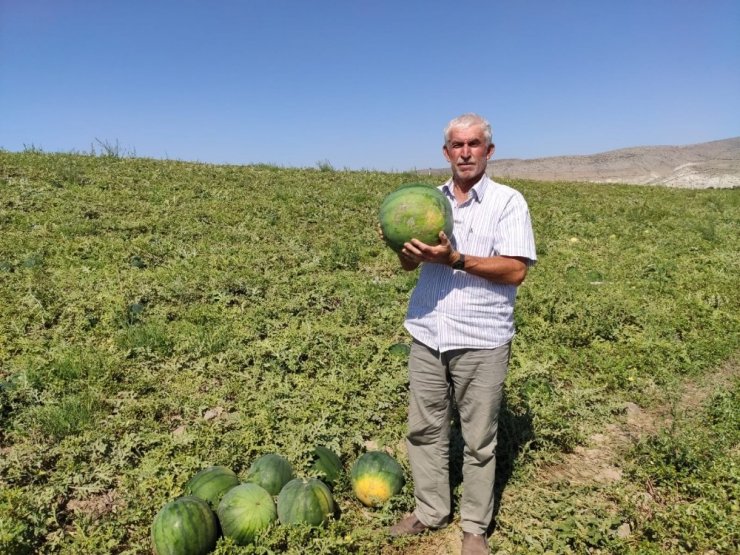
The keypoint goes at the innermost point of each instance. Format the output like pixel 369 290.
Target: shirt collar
pixel 478 190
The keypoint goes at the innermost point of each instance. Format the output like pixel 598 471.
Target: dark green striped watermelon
pixel 376 477
pixel 210 484
pixel 415 211
pixel 244 511
pixel 304 501
pixel 270 471
pixel 185 526
pixel 326 465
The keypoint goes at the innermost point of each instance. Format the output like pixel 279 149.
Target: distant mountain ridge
pixel 714 164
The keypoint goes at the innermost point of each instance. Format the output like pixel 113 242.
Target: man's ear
pixel 446 152
pixel 491 148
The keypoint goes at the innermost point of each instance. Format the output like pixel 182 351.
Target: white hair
pixel 468 120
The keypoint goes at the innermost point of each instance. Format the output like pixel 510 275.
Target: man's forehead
pixel 467 133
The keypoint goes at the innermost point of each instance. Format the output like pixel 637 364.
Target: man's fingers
pixel 408 256
pixel 415 247
pixel 411 251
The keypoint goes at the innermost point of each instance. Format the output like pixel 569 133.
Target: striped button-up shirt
pixel 452 309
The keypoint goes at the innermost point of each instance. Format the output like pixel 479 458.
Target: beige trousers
pixel 475 377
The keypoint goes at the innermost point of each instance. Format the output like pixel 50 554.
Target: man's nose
pixel 465 152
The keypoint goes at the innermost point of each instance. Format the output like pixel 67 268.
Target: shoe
pixel 407 526
pixel 474 544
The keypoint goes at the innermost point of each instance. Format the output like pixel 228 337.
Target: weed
pixel 68 416
pixel 325 166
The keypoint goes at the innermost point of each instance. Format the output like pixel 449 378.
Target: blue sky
pixel 364 84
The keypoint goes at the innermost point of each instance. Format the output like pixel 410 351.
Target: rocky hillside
pixel 714 164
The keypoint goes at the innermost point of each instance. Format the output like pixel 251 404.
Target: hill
pixel 715 164
pixel 159 317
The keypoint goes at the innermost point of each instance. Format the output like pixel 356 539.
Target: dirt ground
pixel 598 461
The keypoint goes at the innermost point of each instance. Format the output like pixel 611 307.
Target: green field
pixel 157 317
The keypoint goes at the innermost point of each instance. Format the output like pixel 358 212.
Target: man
pixel 461 319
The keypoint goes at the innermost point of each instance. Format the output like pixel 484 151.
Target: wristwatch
pixel 459 264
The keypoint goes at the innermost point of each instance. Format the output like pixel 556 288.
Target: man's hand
pixel 509 270
pixel 419 252
pixel 415 252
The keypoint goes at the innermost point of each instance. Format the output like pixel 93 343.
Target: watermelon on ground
pixel 376 477
pixel 210 484
pixel 244 511
pixel 185 526
pixel 400 349
pixel 326 465
pixel 304 501
pixel 270 471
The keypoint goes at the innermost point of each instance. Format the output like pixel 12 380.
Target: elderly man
pixel 461 317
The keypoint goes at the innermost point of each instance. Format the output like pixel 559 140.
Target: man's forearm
pixel 500 269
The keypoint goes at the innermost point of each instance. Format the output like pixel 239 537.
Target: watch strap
pixel 459 264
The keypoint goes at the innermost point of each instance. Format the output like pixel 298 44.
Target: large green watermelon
pixel 270 471
pixel 415 211
pixel 400 349
pixel 210 484
pixel 185 526
pixel 244 511
pixel 326 465
pixel 376 477
pixel 305 502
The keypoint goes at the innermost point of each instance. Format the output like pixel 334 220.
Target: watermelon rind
pixel 185 526
pixel 376 477
pixel 400 349
pixel 305 501
pixel 327 465
pixel 245 511
pixel 415 211
pixel 270 471
pixel 210 484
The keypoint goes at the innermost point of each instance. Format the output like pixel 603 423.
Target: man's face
pixel 468 154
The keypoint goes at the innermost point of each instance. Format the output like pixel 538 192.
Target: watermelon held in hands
pixel 245 511
pixel 376 477
pixel 415 211
pixel 326 465
pixel 270 471
pixel 185 526
pixel 304 501
pixel 210 484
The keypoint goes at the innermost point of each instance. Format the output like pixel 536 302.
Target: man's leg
pixel 428 438
pixel 478 377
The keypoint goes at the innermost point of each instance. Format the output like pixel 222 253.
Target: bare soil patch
pixel 598 461
pixel 97 505
pixel 447 541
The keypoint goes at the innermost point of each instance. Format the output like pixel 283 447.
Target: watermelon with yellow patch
pixel 415 211
pixel 376 477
